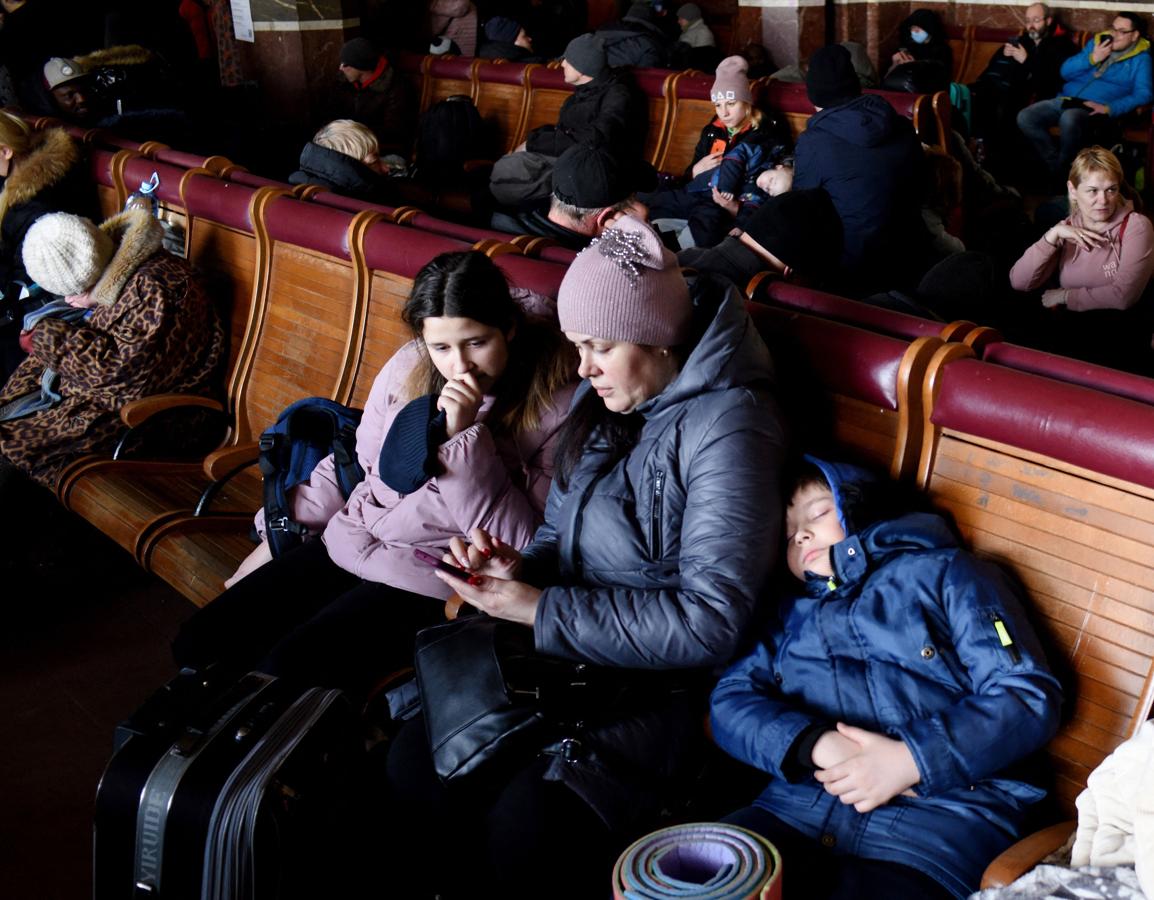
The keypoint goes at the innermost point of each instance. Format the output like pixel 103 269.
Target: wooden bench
pixel 517 98
pixel 1056 481
pixel 765 287
pixel 690 109
pixel 303 312
pixel 846 388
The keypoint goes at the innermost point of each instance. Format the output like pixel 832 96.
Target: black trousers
pixel 508 833
pixel 817 873
pixel 304 618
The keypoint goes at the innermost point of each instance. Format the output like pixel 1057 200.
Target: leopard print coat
pixel 152 331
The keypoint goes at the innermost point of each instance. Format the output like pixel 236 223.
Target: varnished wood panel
pixel 1081 549
pixel 304 336
pixel 385 333
pixel 226 259
pixel 198 560
pixel 686 120
pixel 501 106
pixel 544 108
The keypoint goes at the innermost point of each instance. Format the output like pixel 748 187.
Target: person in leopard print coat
pixel 150 329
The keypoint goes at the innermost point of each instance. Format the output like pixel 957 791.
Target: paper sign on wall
pixel 242 20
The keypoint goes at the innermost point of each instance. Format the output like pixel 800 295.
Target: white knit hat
pixel 66 254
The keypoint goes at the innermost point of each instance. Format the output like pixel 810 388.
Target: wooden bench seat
pixel 1056 482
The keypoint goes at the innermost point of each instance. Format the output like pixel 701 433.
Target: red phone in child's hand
pixel 445 567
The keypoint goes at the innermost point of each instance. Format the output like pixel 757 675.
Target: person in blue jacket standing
pixel 1109 78
pixel 891 701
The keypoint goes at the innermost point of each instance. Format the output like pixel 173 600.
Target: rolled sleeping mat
pixel 699 861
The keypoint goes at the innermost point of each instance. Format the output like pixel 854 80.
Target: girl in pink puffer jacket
pixel 343 610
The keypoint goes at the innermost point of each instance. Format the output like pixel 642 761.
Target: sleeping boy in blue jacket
pixel 890 701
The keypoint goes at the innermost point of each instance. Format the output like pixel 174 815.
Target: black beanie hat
pixel 590 177
pixel 360 54
pixel 831 78
pixel 503 29
pixel 586 54
pixel 801 228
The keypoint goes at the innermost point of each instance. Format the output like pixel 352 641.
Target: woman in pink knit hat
pixel 667 465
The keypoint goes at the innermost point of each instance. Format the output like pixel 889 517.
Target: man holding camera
pixel 1109 78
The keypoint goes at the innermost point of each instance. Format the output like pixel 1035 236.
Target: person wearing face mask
pixel 1096 263
pixel 341 609
pixel 738 145
pixel 924 60
pixel 668 462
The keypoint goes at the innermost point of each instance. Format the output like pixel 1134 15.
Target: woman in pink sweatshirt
pixel 1102 255
pixel 342 610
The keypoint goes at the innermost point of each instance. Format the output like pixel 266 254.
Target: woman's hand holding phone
pixel 485 554
pixel 461 398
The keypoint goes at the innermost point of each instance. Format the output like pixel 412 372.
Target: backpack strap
pixel 1122 230
pixel 348 467
pixel 281 531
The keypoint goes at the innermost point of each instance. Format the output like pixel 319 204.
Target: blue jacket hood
pixel 847 482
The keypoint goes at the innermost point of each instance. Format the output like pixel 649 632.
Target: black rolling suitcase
pixel 230 791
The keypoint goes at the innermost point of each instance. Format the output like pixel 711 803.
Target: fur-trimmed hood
pixel 137 235
pixel 126 55
pixel 45 165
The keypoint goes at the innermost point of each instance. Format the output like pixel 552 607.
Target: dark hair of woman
pixel 612 433
pixel 468 285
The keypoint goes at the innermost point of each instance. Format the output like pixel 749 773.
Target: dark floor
pixel 85 640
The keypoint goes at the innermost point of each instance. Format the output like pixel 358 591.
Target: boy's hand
pixel 832 748
pixel 880 770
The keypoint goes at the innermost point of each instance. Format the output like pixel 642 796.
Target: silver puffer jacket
pixel 656 563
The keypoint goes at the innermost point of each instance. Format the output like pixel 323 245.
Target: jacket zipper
pixel 579 523
pixel 655 515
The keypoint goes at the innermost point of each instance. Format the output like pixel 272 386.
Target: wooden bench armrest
pixel 1016 860
pixel 135 412
pixel 223 462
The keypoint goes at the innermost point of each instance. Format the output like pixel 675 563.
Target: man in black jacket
pixel 1026 69
pixel 636 40
pixel 603 109
pixel 591 191
pixel 871 164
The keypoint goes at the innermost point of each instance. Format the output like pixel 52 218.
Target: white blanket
pixel 1116 811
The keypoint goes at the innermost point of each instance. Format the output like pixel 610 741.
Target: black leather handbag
pixel 486 692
